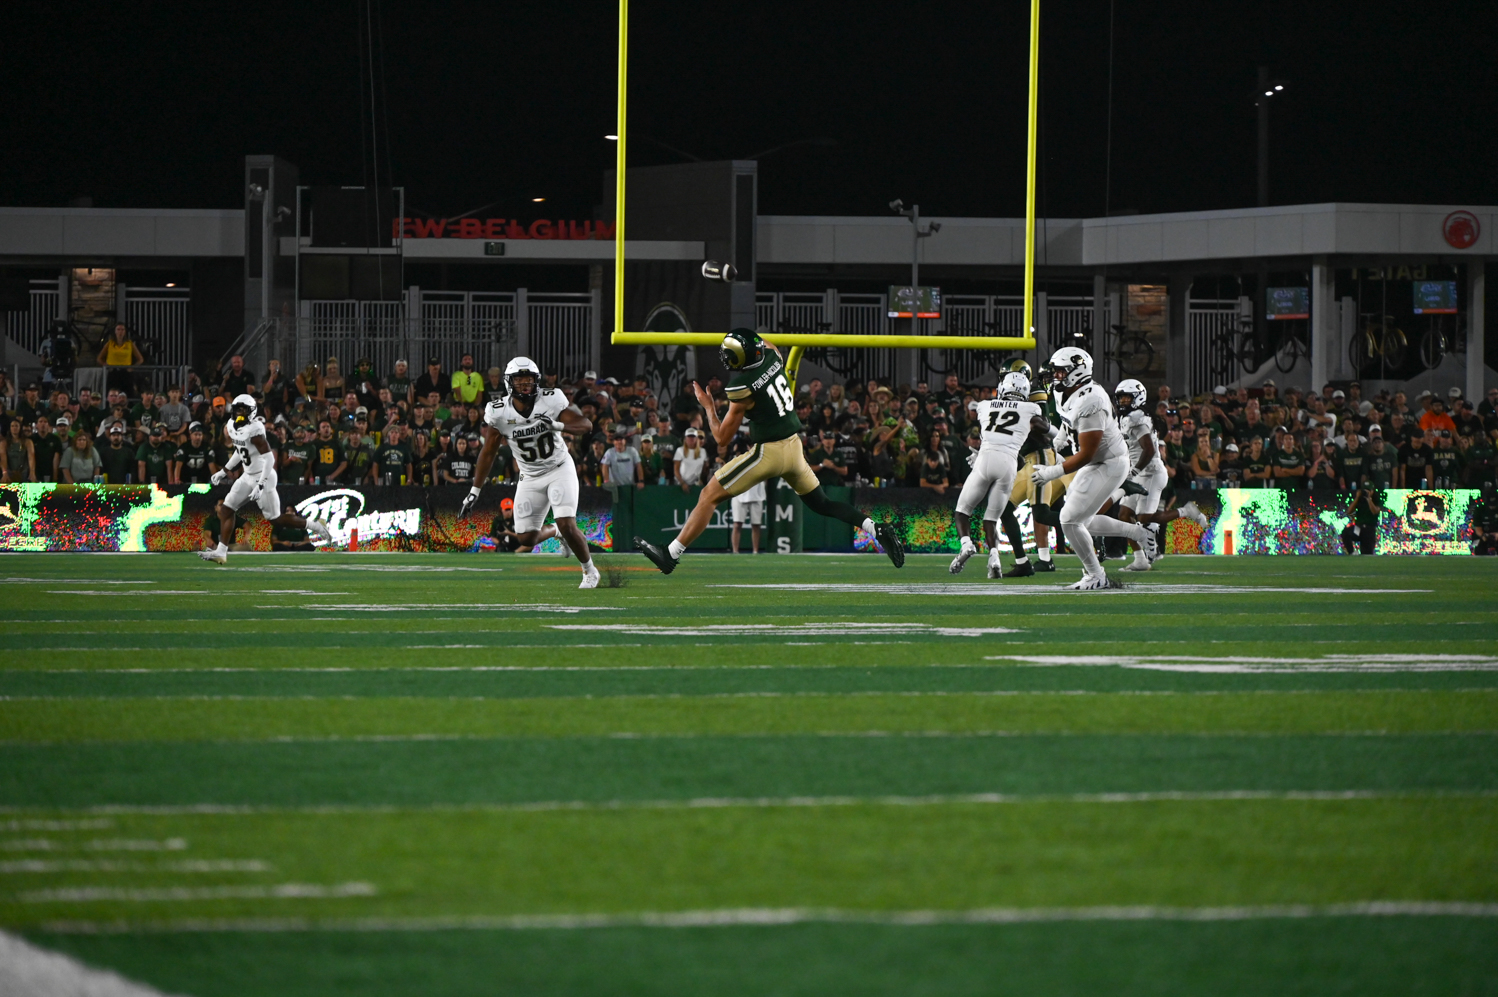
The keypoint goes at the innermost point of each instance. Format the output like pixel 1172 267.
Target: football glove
pixel 470 501
pixel 1046 472
pixel 972 458
pixel 218 477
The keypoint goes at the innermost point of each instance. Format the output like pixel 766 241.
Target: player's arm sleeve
pixel 233 460
pixel 738 392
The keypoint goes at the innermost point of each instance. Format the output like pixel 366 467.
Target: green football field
pixel 797 774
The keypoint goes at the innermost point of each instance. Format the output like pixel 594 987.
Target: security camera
pixel 935 228
pixel 897 205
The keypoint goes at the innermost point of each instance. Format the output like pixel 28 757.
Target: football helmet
pixel 1071 367
pixel 1015 386
pixel 522 366
pixel 741 348
pixel 242 409
pixel 1133 390
pixel 1020 366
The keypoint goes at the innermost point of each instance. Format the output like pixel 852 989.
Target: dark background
pixel 155 104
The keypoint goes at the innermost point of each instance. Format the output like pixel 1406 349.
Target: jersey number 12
pixel 1010 417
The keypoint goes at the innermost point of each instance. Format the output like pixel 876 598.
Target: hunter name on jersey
pixel 537 444
pixel 1005 423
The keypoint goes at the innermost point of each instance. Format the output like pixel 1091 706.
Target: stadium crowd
pixel 329 426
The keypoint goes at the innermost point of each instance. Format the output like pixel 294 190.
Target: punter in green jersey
pixel 760 393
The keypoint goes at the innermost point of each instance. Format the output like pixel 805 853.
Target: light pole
pixel 1268 90
pixel 914 214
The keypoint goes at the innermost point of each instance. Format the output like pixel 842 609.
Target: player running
pixel 1100 462
pixel 759 392
pixel 533 420
pixel 1006 422
pixel 1146 469
pixel 257 484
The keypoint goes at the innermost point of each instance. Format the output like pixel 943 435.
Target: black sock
pixel 1050 516
pixel 1012 531
pixel 817 501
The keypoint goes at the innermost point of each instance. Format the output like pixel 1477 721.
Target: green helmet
pixel 1020 366
pixel 741 348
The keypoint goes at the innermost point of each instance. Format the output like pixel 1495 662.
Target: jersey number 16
pixel 780 393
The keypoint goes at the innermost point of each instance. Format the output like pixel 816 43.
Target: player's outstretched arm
pixel 573 421
pixel 725 429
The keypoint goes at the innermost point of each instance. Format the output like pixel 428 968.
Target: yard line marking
pixel 299 592
pixel 279 891
pixel 730 630
pixel 1136 588
pixel 15 579
pixel 109 845
pixel 56 825
pixel 770 916
pixel 772 802
pixel 365 567
pixel 1242 665
pixel 131 592
pixel 533 607
pixel 90 865
pixel 27 969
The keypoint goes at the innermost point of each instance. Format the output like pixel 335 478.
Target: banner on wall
pixel 48 517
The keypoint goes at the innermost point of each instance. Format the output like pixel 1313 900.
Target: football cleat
pixel 1020 570
pixel 590 577
pixel 1138 564
pixel 1132 487
pixel 889 542
pixel 1149 547
pixel 1188 510
pixel 962 555
pixel 995 568
pixel 1094 583
pixel 1040 565
pixel 215 556
pixel 659 556
pixel 320 530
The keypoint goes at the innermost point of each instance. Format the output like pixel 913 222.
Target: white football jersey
pixel 538 447
pixel 1006 424
pixel 1090 410
pixel 1135 426
pixel 254 461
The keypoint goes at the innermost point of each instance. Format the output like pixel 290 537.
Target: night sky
pixel 154 104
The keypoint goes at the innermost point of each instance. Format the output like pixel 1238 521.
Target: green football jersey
pixel 764 389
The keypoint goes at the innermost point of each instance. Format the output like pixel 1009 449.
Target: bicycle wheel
pixel 1360 350
pixel 1432 348
pixel 1395 347
pixel 1288 355
pixel 1135 355
pixel 1248 357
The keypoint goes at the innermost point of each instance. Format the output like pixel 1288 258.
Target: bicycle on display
pixel 1438 340
pixel 1291 349
pixel 1379 344
pixel 1234 345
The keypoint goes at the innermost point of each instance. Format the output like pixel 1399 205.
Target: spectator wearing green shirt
pixel 89 414
pixel 467 383
pixel 1382 463
pixel 327 456
pixel 49 447
pixel 400 383
pixel 650 461
pixel 117 459
pixel 80 462
pixel 1350 464
pixel 827 463
pixel 1321 469
pixel 1415 459
pixel 1446 461
pixel 933 475
pixel 393 458
pixel 193 462
pixel 1288 463
pixel 296 457
pixel 359 456
pixel 1256 470
pixel 155 456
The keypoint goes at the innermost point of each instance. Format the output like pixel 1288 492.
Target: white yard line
pixel 774 802
pixel 177 894
pixel 1243 665
pixel 769 916
pixel 29 971
pixel 1135 588
pixel 89 865
pixel 731 630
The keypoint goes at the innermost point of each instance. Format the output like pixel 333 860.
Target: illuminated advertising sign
pixel 343 510
pixel 501 228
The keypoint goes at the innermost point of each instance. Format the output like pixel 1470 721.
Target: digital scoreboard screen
pixel 914 302
pixel 1435 297
pixel 1288 302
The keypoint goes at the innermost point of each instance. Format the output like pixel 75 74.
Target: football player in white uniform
pixel 1146 469
pixel 1101 464
pixel 257 484
pixel 1006 423
pixel 533 420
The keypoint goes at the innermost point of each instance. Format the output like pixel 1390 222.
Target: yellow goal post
pixel 799 341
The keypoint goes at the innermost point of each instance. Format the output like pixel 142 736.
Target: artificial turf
pixel 390 745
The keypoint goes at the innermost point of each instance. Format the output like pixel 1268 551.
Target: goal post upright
pixel 1029 326
pixel 798 341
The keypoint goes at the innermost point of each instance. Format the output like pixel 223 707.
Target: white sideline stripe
pixel 88 865
pixel 772 802
pixel 762 916
pixel 405 607
pixel 29 971
pixel 731 630
pixel 14 579
pixel 1134 588
pixel 160 894
pixel 93 824
pixel 132 592
pixel 1254 665
pixel 106 845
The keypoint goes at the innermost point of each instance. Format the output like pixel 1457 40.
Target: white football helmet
pixel 522 365
pixel 1071 367
pixel 246 403
pixel 1015 385
pixel 1134 389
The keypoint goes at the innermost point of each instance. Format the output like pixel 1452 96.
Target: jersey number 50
pixel 539 448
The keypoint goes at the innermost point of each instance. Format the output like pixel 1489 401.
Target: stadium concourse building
pixel 1306 294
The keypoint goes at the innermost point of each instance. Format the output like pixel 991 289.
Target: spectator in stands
pixel 358 457
pixel 1229 473
pixel 365 383
pixel 118 416
pixel 331 384
pixel 1204 463
pixel 48 447
pixel 1446 461
pixel 590 467
pixel 690 460
pixel 830 466
pixel 400 384
pixel 327 456
pixel 306 383
pixel 1321 468
pixel 1437 418
pixel 1350 461
pixel 933 475
pixel 80 462
pixel 456 466
pixel 494 385
pixel 1256 470
pixel 90 412
pixel 193 461
pixel 237 379
pixel 651 464
pixel 472 421
pixel 621 465
pixel 1489 405
pixel 154 457
pixel 467 385
pixel 119 356
pixel 30 404
pixel 17 455
pixel 276 391
pixel 1468 423
pixel 421 461
pixel 433 381
pixel 393 458
pixel 117 459
pixel 1382 463
pixel 1288 463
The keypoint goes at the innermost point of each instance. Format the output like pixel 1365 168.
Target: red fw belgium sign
pixel 499 228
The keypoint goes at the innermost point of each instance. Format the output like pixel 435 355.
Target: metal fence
pixel 160 319
pixel 1208 321
pixel 559 331
pixel 853 314
pixel 28 328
